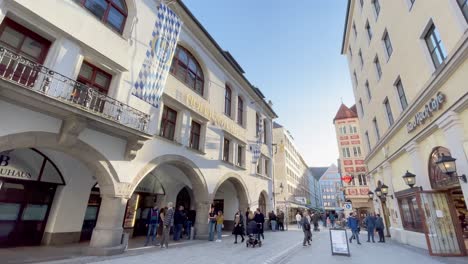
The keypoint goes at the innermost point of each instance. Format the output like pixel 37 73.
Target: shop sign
pixel 434 105
pixel 301 200
pixel 347 178
pixel 8 170
pixel 205 110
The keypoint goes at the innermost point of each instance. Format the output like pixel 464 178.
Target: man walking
pixel 168 223
pixel 305 223
pixel 298 220
pixel 152 224
pixel 260 220
pixel 353 224
pixel 179 219
pixel 191 215
pixel 273 221
pixel 280 220
pixel 379 226
pixel 332 219
pixel 370 223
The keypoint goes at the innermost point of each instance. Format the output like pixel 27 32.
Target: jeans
pixel 370 234
pixel 211 227
pixel 307 237
pixel 165 236
pixel 299 224
pixel 280 226
pixel 177 231
pixel 355 236
pixel 152 231
pixel 188 229
pixel 332 222
pixel 273 225
pixel 219 229
pixel 381 235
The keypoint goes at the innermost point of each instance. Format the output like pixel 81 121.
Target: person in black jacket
pixel 191 215
pixel 179 219
pixel 260 220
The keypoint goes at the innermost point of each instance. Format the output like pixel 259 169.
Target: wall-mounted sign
pixel 8 169
pixel 203 109
pixel 433 105
pixel 301 200
pixel 347 178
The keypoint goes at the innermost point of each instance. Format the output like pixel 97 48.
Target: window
pixel 388 44
pixel 257 124
pixel 240 111
pixel 186 68
pixel 464 7
pixel 94 77
pixel 362 179
pixel 265 131
pixel 259 165
pixel 227 101
pixel 376 7
pixel 378 69
pixel 354 30
pixel 355 78
pixel 226 147
pixel 361 60
pixel 361 2
pixel 369 30
pixel 376 127
pixel 361 107
pixel 357 151
pixel 411 214
pixel 369 96
pixel 350 52
pixel 346 153
pixel 168 123
pixel 401 94
pixel 367 140
pixel 266 167
pixel 110 12
pixel 195 132
pixel 388 109
pixel 435 46
pixel 240 155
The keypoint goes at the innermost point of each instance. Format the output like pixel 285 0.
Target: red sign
pixel 355 142
pixel 347 162
pixel 344 143
pixel 349 169
pixel 359 162
pixel 347 178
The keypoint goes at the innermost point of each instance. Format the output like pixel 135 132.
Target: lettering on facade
pixel 7 171
pixel 203 109
pixel 434 105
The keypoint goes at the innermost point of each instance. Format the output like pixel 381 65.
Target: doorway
pixel 461 213
pixel 183 199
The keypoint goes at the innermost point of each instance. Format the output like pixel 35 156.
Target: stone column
pixel 107 235
pixel 201 222
pixel 388 177
pixel 452 127
pixel 419 165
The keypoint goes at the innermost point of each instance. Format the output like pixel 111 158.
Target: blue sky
pixel 291 51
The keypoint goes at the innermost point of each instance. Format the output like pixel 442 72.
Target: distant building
pixel 331 188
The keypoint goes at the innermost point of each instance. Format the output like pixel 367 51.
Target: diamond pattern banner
pixel 153 73
pixel 257 147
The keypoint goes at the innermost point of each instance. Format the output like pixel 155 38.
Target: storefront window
pixel 411 213
pixel 34 212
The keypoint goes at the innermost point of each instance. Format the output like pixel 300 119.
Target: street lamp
pixel 410 179
pixel 371 195
pixel 448 166
pixel 378 192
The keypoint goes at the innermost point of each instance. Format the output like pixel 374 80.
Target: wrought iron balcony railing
pixel 16 69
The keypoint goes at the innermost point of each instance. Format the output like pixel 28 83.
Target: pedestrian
pixel 191 216
pixel 168 223
pixel 152 224
pixel 280 215
pixel 211 224
pixel 273 221
pixel 260 220
pixel 219 225
pixel 315 220
pixel 379 226
pixel 252 226
pixel 179 219
pixel 238 226
pixel 332 219
pixel 353 224
pixel 247 212
pixel 305 223
pixel 324 219
pixel 370 223
pixel 298 220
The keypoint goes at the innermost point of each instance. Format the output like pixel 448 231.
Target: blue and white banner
pixel 257 147
pixel 153 73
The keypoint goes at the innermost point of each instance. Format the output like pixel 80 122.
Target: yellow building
pixel 352 166
pixel 408 63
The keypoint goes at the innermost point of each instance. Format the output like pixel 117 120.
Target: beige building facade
pixel 408 64
pixel 352 166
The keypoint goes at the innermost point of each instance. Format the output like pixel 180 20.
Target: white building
pixel 60 139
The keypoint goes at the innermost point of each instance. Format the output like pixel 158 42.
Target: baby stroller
pixel 253 238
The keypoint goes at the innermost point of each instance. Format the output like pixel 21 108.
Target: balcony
pixel 35 84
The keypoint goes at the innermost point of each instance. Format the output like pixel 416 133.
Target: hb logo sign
pixel 4 160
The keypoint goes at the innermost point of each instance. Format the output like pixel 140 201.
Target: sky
pixel 291 50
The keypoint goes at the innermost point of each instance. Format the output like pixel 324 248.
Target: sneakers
pixel 218 240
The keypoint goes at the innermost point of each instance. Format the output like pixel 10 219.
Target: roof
pixel 353 108
pixel 344 113
pixel 276 125
pixel 317 172
pixel 226 55
pixel 345 26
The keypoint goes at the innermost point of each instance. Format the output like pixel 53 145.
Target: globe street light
pixel 410 179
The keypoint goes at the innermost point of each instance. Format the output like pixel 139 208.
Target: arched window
pixel 439 180
pixel 186 68
pixel 110 12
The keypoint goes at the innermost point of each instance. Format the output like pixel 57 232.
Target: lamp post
pixel 448 166
pixel 381 191
pixel 371 195
pixel 410 179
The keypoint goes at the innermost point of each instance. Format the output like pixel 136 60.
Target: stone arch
pixel 96 162
pixel 131 18
pixel 264 205
pixel 239 185
pixel 188 167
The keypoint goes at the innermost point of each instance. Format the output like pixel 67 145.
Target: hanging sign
pixel 339 242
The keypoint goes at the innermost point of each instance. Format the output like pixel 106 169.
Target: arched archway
pixel 262 203
pixel 184 198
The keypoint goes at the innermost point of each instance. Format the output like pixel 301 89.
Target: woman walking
pixel 219 225
pixel 238 227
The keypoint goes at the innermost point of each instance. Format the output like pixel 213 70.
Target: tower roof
pixel 344 112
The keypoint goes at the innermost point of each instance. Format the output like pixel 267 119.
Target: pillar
pixel 201 222
pixel 419 165
pixel 452 127
pixel 107 235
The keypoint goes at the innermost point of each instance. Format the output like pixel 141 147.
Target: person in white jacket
pixel 298 220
